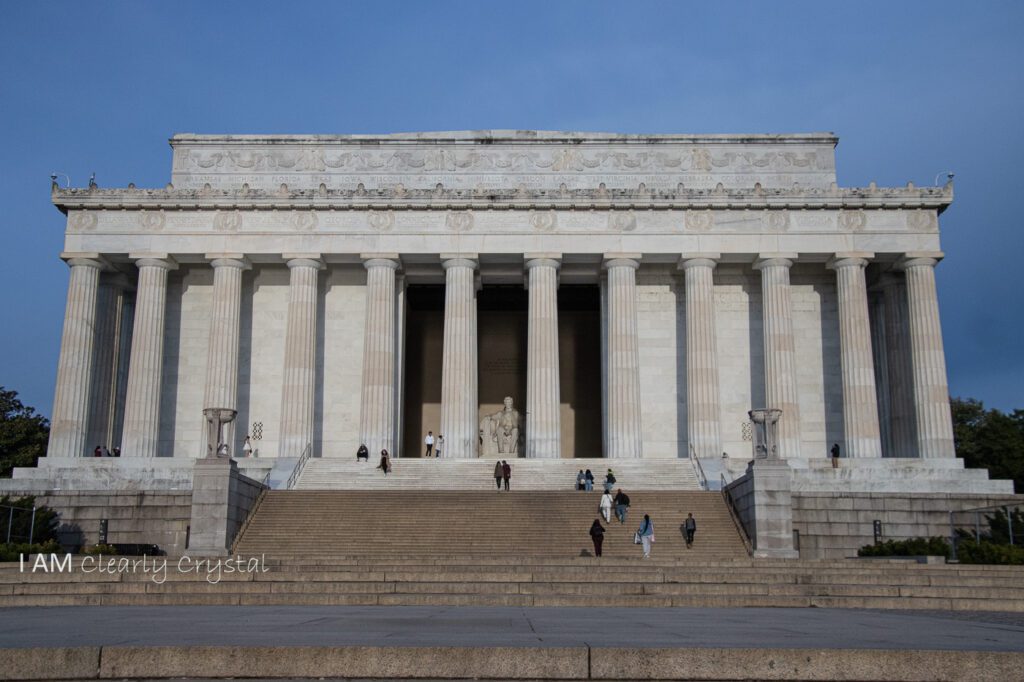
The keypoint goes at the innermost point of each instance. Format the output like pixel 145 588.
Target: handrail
pixel 248 519
pixel 702 478
pixel 299 466
pixel 735 516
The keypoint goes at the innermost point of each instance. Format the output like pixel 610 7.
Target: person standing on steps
pixel 690 526
pixel 606 507
pixel 385 462
pixel 581 481
pixel 597 535
pixel 506 472
pixel 646 533
pixel 588 480
pixel 609 481
pixel 247 447
pixel 440 444
pixel 835 455
pixel 621 505
pixel 429 442
pixel 499 473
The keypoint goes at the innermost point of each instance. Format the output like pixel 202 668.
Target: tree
pixel 23 433
pixel 990 439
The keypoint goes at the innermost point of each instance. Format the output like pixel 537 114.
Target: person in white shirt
pixel 440 444
pixel 247 448
pixel 606 507
pixel 429 442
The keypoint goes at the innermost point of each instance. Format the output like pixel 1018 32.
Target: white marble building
pixel 345 289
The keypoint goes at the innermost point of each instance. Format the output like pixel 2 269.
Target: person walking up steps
pixel 621 505
pixel 690 526
pixel 506 472
pixel 646 533
pixel 597 535
pixel 606 507
pixel 588 480
pixel 499 473
pixel 429 442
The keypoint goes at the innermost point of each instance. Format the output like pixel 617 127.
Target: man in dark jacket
pixel 621 505
pixel 506 472
pixel 690 526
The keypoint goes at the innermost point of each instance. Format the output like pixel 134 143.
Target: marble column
pixel 377 419
pixel 902 429
pixel 145 373
pixel 928 361
pixel 225 328
pixel 459 358
pixel 106 347
pixel 703 406
pixel 780 385
pixel 625 438
pixel 543 396
pixel 298 384
pixel 880 354
pixel 860 402
pixel 69 423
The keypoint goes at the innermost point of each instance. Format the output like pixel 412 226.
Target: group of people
pixel 102 451
pixel 434 447
pixel 385 458
pixel 644 535
pixel 585 480
pixel 502 473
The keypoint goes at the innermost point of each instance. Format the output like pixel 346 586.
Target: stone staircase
pixel 332 473
pixel 484 523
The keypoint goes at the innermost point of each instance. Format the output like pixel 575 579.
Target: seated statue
pixel 500 432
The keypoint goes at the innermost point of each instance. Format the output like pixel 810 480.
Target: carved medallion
pixel 622 221
pixel 381 221
pixel 776 221
pixel 923 221
pixel 852 221
pixel 303 221
pixel 153 221
pixel 227 221
pixel 700 221
pixel 83 220
pixel 543 221
pixel 459 221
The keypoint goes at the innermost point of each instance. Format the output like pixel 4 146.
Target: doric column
pixel 142 403
pixel 625 440
pixel 703 408
pixel 902 429
pixel 225 323
pixel 780 387
pixel 860 403
pixel 298 384
pixel 106 351
pixel 880 355
pixel 543 397
pixel 74 368
pixel 377 419
pixel 458 367
pixel 928 361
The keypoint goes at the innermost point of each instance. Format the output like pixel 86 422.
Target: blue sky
pixel 911 88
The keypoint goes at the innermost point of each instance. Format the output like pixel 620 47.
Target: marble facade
pixel 270 275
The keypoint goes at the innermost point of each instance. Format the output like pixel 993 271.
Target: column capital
pixel 537 260
pixel 154 260
pixel 229 260
pixel 919 258
pixel 87 259
pixel 846 259
pixel 698 260
pixel 303 260
pixel 621 260
pixel 381 260
pixel 767 260
pixel 460 260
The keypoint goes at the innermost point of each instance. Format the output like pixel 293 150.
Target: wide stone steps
pixel 333 473
pixel 526 581
pixel 534 523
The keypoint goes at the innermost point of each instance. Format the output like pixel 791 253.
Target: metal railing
pixel 994 523
pixel 702 479
pixel 299 466
pixel 8 534
pixel 734 514
pixel 248 519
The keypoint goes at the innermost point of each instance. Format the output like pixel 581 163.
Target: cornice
pixel 441 198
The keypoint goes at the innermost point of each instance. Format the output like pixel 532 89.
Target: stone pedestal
pixel 928 362
pixel 211 492
pixel 543 419
pixel 772 509
pixel 298 388
pixel 703 408
pixel 225 321
pixel 860 400
pixel 623 359
pixel 75 365
pixel 459 361
pixel 780 387
pixel 377 419
pixel 145 371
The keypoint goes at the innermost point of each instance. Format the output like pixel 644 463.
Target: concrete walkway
pixel 414 626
